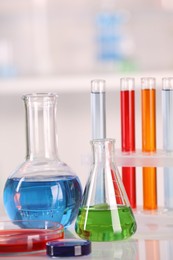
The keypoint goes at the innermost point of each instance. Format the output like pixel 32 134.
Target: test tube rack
pixel 138 158
pixel 161 219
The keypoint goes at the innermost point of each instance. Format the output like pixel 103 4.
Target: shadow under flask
pixel 105 213
pixel 42 187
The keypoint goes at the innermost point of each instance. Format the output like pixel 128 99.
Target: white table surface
pixel 132 249
pixel 152 241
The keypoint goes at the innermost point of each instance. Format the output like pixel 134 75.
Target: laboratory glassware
pixel 127 105
pixel 98 110
pixel 42 187
pixel 148 109
pixel 167 114
pixel 16 237
pixel 105 213
pixel 68 247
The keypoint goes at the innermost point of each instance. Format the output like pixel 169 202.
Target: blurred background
pixel 41 37
pixel 61 45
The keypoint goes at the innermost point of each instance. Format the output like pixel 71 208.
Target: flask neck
pixel 103 151
pixel 41 138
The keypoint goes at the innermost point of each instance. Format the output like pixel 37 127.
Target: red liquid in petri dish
pixel 27 240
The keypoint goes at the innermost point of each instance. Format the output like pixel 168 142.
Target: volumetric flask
pixel 42 187
pixel 105 213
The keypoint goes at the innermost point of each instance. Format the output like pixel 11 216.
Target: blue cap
pixel 68 247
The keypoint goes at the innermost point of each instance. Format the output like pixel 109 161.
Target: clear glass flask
pixel 42 187
pixel 105 213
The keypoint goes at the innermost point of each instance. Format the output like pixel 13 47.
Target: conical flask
pixel 105 213
pixel 42 187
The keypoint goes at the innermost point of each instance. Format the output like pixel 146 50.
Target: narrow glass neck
pixel 41 138
pixel 103 150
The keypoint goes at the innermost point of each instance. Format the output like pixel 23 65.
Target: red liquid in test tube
pixel 127 98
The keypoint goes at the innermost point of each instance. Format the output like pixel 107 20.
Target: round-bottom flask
pixel 42 187
pixel 105 213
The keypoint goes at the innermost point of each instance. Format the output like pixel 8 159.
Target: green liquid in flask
pixel 99 223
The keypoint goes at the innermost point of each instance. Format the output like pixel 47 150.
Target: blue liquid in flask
pixel 56 199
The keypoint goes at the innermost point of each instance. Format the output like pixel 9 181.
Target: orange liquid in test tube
pixel 148 95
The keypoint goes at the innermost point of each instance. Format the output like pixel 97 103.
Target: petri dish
pixel 68 247
pixel 16 237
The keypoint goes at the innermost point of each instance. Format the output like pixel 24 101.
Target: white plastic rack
pixel 141 159
pixel 152 224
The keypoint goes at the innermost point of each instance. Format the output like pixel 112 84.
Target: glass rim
pixel 167 83
pixel 21 237
pixel 127 83
pixel 56 226
pixel 40 95
pixel 102 140
pixel 98 85
pixel 148 82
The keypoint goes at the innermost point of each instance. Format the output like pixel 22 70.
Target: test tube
pixel 148 108
pixel 98 116
pixel 167 114
pixel 127 103
pixel 98 110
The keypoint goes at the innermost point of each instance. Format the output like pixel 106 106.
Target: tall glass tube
pixel 127 98
pixel 167 114
pixel 148 107
pixel 98 116
pixel 98 111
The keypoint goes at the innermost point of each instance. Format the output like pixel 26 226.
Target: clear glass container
pixel 16 237
pixel 167 119
pixel 105 213
pixel 148 127
pixel 127 105
pixel 98 108
pixel 42 187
